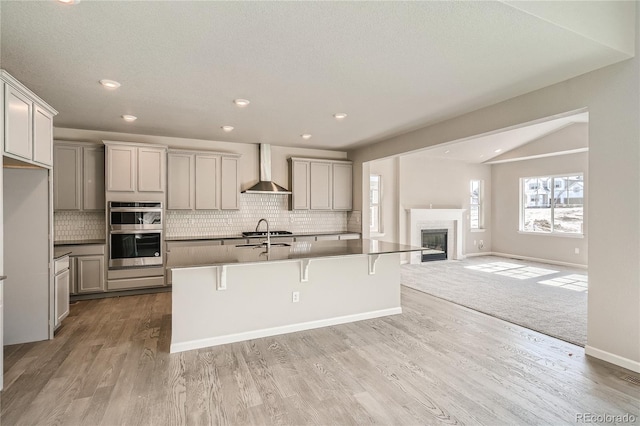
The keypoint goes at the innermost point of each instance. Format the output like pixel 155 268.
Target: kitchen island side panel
pixel 258 299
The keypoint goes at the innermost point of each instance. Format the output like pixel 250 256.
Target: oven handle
pixel 137 231
pixel 135 210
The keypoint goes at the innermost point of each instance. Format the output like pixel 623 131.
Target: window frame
pixel 480 205
pixel 378 206
pixel 552 187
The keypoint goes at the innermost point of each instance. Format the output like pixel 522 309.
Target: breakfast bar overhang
pixel 251 292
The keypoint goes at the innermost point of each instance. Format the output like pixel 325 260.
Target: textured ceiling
pixel 391 66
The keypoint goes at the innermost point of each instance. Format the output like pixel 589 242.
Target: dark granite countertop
pixel 216 255
pixel 60 253
pixel 236 236
pixel 78 242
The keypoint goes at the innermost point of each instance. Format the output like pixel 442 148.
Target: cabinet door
pixel 90 274
pixel 93 178
pixel 66 177
pixel 342 186
pixel 121 168
pixel 73 276
pixel 18 110
pixel 300 185
pixel 61 286
pixel 42 136
pixel 151 169
pixel 180 188
pixel 207 183
pixel 229 184
pixel 320 186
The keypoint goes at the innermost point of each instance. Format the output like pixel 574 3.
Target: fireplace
pixel 435 240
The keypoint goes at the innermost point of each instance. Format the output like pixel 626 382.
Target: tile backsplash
pixel 253 207
pixel 78 226
pixel 71 226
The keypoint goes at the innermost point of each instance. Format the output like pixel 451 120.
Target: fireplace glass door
pixel 435 243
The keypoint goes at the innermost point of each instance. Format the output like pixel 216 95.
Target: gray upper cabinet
pixel 299 184
pixel 318 184
pixel 151 169
pixel 202 181
pixel 230 184
pixel 93 178
pixel 121 171
pixel 321 186
pixel 18 110
pixel 28 123
pixel 207 182
pixel 135 168
pixel 180 193
pixel 67 185
pixel 42 136
pixel 78 176
pixel 342 186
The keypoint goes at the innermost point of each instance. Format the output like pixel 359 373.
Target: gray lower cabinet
pixel 89 274
pixel 61 285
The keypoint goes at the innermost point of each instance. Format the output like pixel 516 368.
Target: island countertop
pixel 216 255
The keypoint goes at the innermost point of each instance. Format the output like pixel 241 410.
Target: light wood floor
pixel 437 363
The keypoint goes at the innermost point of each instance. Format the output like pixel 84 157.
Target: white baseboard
pixel 274 331
pixel 482 253
pixel 627 363
pixel 536 259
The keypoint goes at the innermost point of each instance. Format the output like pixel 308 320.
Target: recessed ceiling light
pixel 110 84
pixel 129 118
pixel 69 1
pixel 498 150
pixel 340 115
pixel 447 151
pixel 306 136
pixel 227 128
pixel 241 102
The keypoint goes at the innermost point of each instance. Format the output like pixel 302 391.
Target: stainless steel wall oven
pixel 135 234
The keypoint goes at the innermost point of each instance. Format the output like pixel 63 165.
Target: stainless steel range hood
pixel 265 185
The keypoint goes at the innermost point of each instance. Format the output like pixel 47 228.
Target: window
pixel 552 204
pixel 475 205
pixel 375 187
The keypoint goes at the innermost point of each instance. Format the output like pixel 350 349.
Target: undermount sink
pixel 264 245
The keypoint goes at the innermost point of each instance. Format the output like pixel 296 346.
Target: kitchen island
pixel 223 294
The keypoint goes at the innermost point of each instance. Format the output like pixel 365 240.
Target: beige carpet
pixel 546 298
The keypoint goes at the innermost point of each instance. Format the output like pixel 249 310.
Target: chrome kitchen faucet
pixel 268 233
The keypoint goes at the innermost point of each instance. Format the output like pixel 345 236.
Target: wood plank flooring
pixel 437 363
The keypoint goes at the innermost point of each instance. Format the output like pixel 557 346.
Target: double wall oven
pixel 135 234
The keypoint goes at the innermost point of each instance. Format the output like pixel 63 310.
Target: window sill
pixel 478 230
pixel 552 234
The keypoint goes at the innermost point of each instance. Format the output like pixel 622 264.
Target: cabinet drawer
pixel 133 283
pixel 61 265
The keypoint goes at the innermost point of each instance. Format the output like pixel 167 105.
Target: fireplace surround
pixel 450 219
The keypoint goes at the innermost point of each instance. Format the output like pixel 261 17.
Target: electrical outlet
pixel 577 250
pixel 481 244
pixel 295 296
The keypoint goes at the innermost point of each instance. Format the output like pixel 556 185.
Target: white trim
pixel 274 331
pixel 477 229
pixel 553 234
pixel 623 362
pixel 537 259
pixel 478 254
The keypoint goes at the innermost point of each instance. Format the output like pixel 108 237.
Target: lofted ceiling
pixel 485 148
pixel 391 66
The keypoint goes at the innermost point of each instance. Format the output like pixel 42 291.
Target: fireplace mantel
pixel 419 219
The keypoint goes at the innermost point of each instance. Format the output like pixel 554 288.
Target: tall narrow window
pixel 475 204
pixel 375 187
pixel 552 204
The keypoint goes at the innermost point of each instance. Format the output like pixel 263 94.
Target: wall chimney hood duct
pixel 265 186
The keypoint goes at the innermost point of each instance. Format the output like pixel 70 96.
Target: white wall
pixel 428 182
pixel 506 206
pixel 612 97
